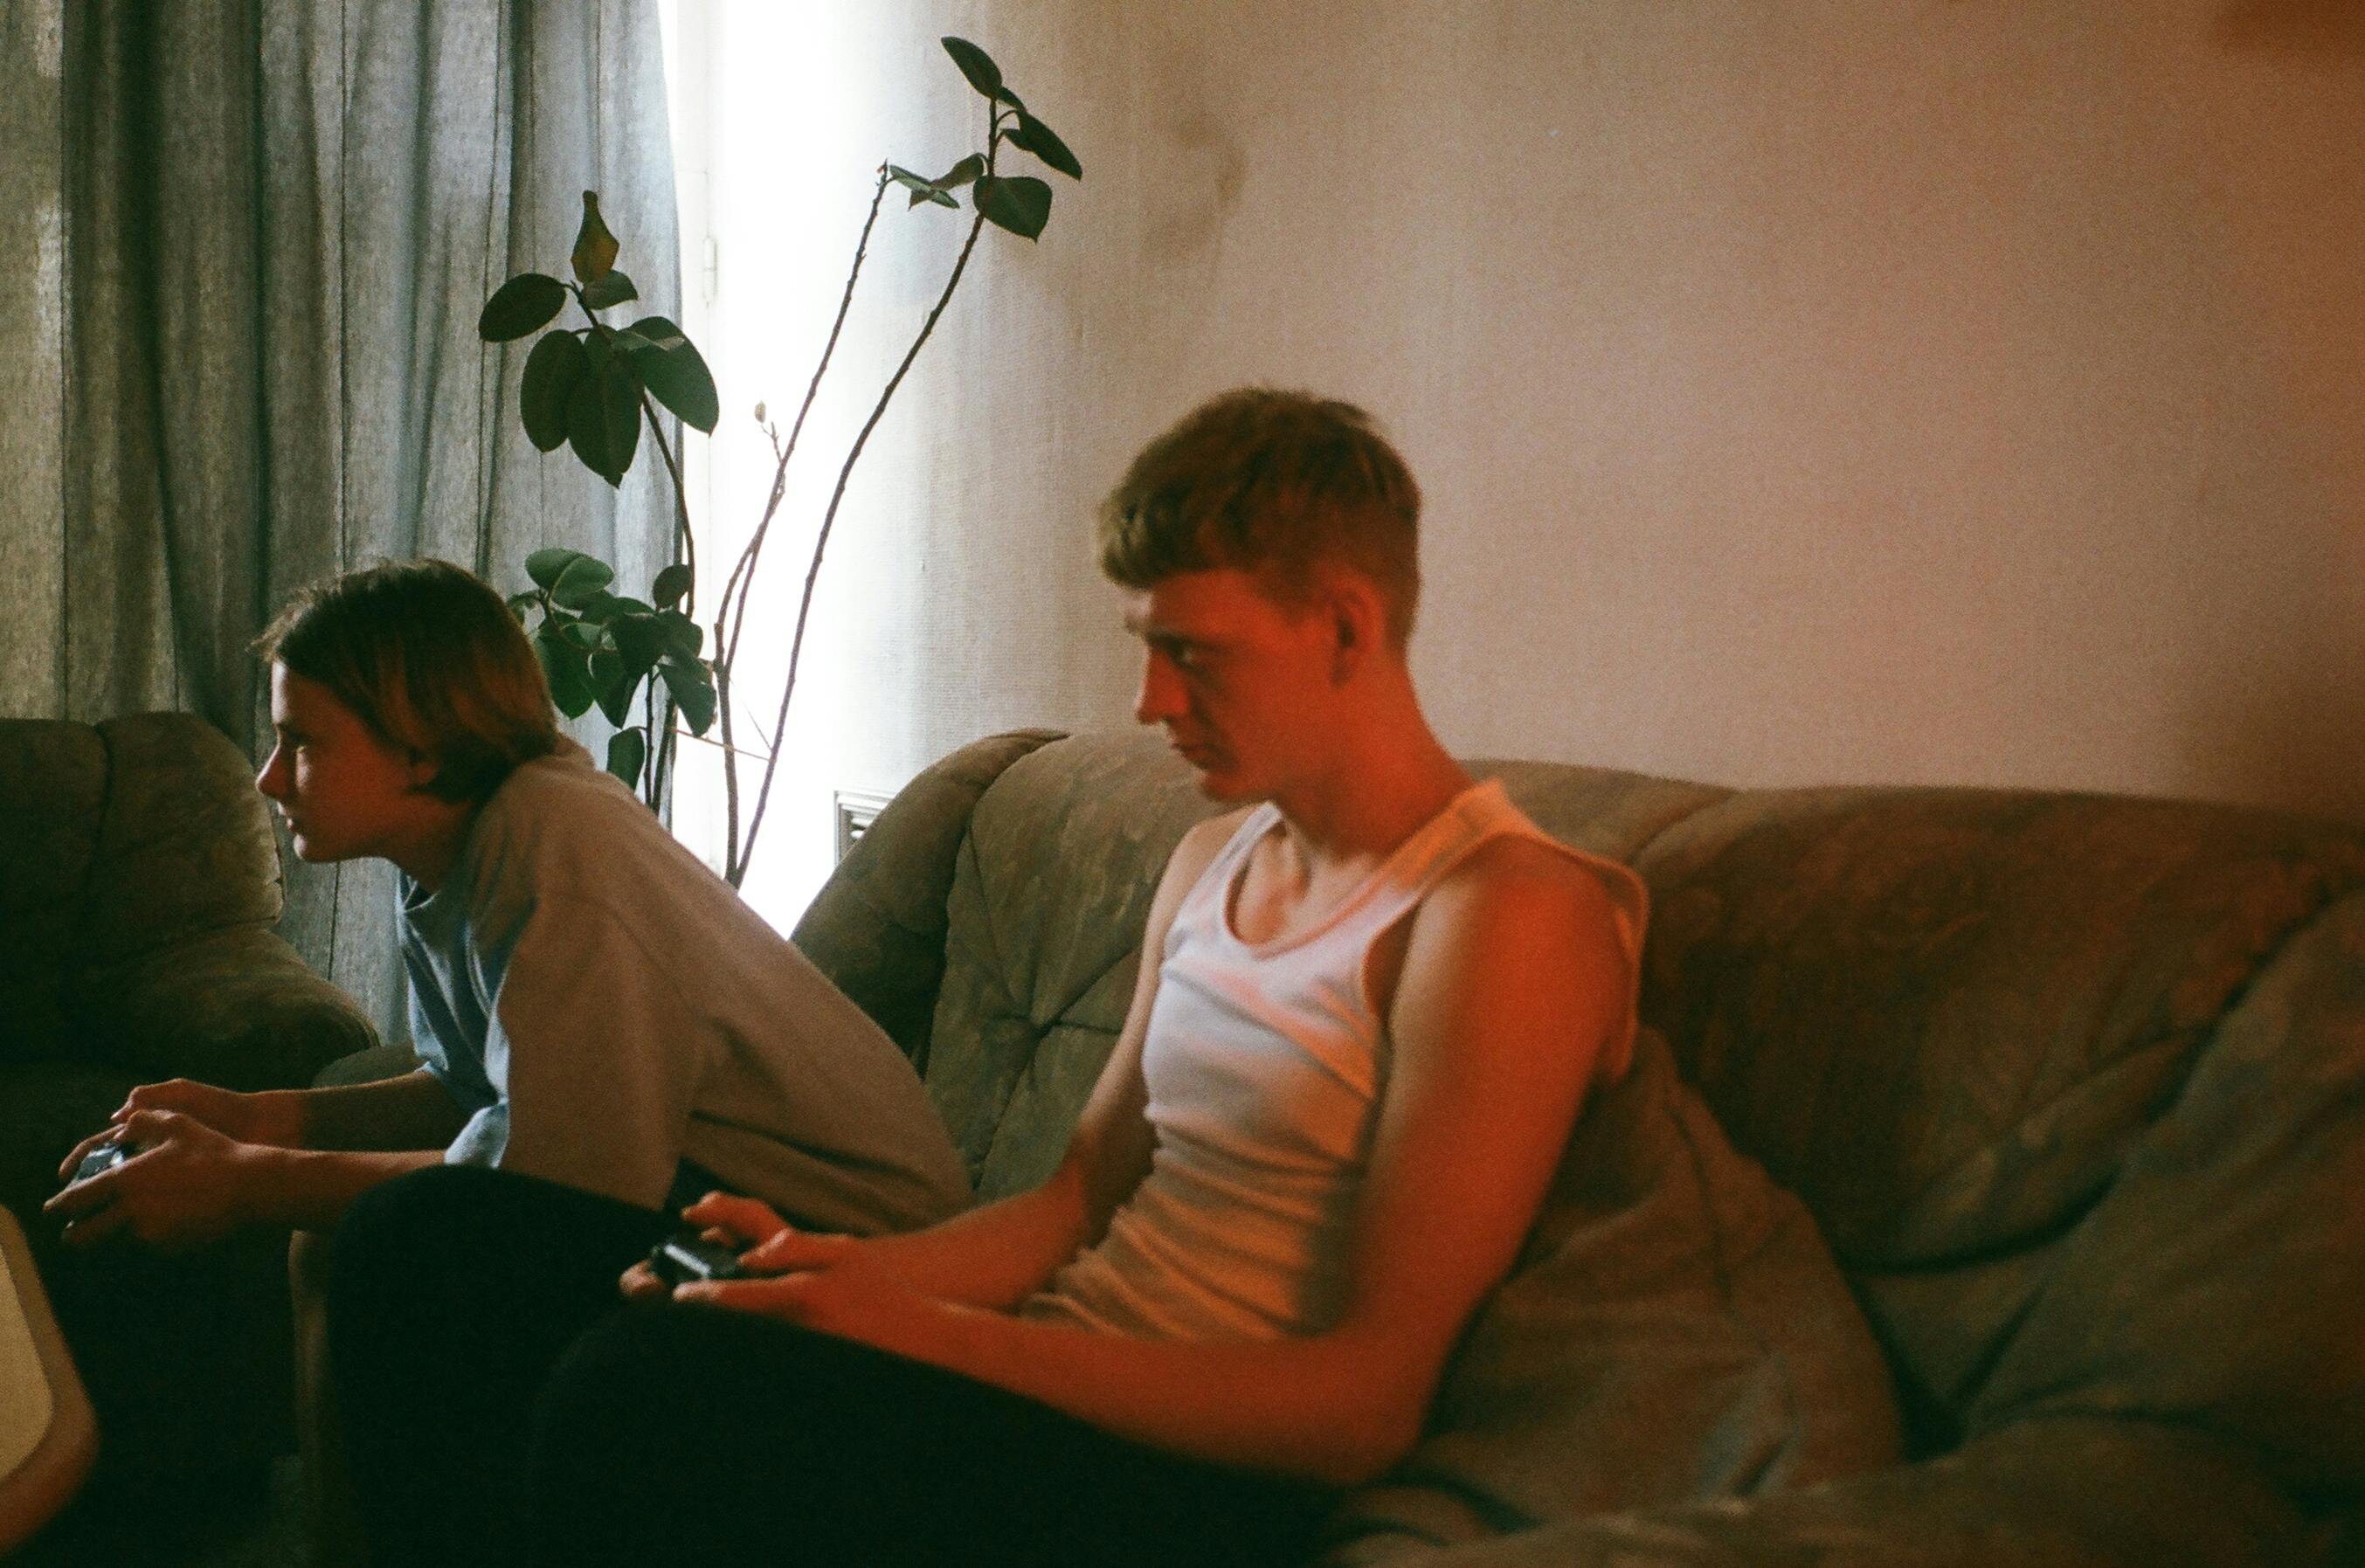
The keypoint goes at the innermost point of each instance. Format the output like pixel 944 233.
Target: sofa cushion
pixel 1674 1328
pixel 1949 1018
pixel 186 847
pixel 53 777
pixel 878 928
pixel 2220 1283
pixel 1049 894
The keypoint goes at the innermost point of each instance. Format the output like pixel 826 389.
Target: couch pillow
pixel 53 777
pixel 1674 1330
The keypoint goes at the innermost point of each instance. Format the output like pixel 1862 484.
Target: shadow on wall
pixel 2329 30
pixel 2282 733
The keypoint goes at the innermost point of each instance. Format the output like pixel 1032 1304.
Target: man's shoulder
pixel 1530 884
pixel 1205 840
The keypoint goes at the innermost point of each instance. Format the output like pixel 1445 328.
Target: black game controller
pixel 104 1157
pixel 687 1255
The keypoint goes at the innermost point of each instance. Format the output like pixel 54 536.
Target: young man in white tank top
pixel 1370 1003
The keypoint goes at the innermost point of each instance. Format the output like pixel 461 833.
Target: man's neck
pixel 1381 782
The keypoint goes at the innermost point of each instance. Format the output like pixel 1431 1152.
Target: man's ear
pixel 1359 622
pixel 424 770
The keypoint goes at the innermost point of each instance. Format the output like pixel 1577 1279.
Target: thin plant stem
pixel 731 613
pixel 846 473
pixel 660 760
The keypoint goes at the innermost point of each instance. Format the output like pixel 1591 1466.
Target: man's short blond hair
pixel 431 660
pixel 1276 484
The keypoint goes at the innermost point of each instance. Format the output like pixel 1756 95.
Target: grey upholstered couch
pixel 139 884
pixel 2075 1085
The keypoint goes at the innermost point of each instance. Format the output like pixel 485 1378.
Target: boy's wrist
pixel 283 1117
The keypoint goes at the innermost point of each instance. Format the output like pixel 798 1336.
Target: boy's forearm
pixel 310 1189
pixel 393 1115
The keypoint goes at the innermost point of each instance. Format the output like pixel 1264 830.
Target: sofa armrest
pixel 392 1059
pixel 877 928
pixel 2057 1492
pixel 234 1007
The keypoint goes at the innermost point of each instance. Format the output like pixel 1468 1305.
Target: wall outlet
pixel 855 811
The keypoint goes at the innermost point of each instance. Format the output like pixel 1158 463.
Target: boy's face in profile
pixel 346 792
pixel 1238 681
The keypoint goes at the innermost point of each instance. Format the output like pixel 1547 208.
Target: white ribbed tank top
pixel 1265 1064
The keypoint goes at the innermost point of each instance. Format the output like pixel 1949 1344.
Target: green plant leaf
pixel 527 301
pixel 1041 140
pixel 639 643
pixel 922 188
pixel 684 638
pixel 678 378
pixel 546 567
pixel 595 247
pixel 976 64
pixel 603 419
pixel 611 287
pixel 692 685
pixel 656 332
pixel 672 587
pixel 582 579
pixel 1022 205
pixel 584 634
pixel 565 667
pixel 961 173
pixel 586 430
pixel 614 685
pixel 519 603
pixel 627 749
pixel 554 368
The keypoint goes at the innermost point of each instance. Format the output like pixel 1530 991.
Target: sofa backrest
pixel 118 838
pixel 2075 1085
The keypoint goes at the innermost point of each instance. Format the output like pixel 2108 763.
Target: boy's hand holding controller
pixel 161 1176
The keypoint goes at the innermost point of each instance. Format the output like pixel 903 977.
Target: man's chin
pixel 1224 786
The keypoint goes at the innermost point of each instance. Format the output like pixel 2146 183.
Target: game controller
pixel 687 1255
pixel 104 1157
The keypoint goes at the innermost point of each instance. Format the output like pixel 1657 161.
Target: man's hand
pixel 187 1183
pixel 837 1297
pixel 743 1222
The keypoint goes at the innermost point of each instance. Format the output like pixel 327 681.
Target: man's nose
pixel 271 779
pixel 1161 697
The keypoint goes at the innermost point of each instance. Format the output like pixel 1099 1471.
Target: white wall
pixel 1955 390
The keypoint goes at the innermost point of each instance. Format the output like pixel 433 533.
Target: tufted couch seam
pixel 2171 1092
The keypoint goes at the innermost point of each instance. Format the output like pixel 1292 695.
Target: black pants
pixel 502 1405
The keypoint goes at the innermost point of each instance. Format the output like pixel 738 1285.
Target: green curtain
pixel 258 234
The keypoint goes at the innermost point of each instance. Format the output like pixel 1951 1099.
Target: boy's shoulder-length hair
pixel 1276 484
pixel 428 657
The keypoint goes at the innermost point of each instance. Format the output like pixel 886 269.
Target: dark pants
pixel 185 1361
pixel 502 1405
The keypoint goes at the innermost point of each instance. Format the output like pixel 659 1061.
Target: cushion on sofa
pixel 878 928
pixel 186 845
pixel 1674 1328
pixel 1948 1018
pixel 53 777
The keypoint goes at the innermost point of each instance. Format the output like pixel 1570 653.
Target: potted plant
pixel 652 667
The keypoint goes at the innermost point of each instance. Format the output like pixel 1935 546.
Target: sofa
pixel 138 886
pixel 2073 1085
